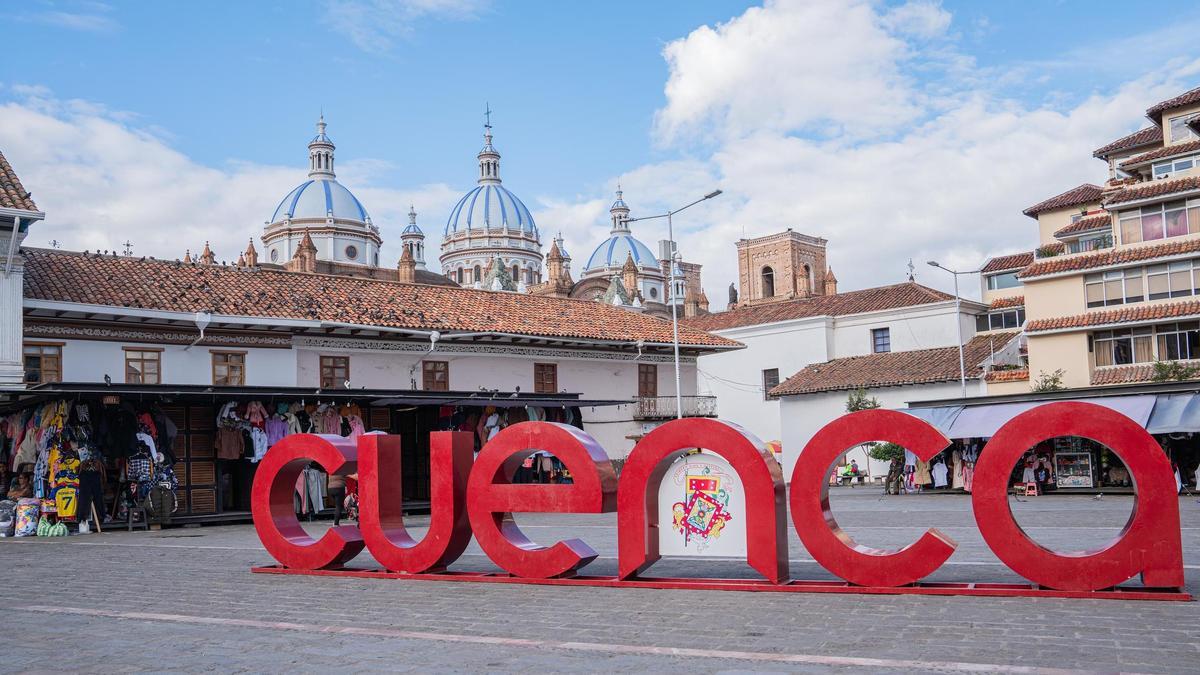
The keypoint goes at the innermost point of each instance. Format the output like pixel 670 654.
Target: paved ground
pixel 184 600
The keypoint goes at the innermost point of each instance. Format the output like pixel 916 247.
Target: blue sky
pixel 216 100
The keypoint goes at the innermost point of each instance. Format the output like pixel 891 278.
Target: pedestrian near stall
pixel 337 492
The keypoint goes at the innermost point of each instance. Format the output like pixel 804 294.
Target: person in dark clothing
pixel 337 492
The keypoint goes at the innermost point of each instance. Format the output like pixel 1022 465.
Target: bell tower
pixel 782 266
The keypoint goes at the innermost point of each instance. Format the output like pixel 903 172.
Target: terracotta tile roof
pixel 1169 151
pixel 1120 315
pixel 1018 375
pixel 1003 303
pixel 1155 188
pixel 1102 221
pixel 1108 257
pixel 118 281
pixel 1136 139
pixel 1155 111
pixel 922 366
pixel 1008 262
pixel 906 294
pixel 1142 372
pixel 1083 194
pixel 12 194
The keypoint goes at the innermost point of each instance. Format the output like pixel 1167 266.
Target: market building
pixel 213 363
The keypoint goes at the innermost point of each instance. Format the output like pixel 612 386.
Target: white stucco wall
pixel 735 378
pixel 592 378
pixel 91 360
pixel 805 415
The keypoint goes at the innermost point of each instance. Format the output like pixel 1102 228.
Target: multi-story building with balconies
pixel 1110 290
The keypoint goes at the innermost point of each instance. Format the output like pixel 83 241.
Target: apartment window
pixel 143 366
pixel 1137 284
pixel 43 362
pixel 1115 287
pixel 881 340
pixel 1123 347
pixel 229 369
pixel 435 375
pixel 545 378
pixel 335 371
pixel 770 378
pixel 1165 342
pixel 1149 223
pixel 1170 167
pixel 1092 243
pixel 1009 318
pixel 996 282
pixel 1180 131
pixel 647 380
pixel 1178 341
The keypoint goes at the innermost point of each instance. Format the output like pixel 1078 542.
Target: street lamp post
pixel 962 364
pixel 671 283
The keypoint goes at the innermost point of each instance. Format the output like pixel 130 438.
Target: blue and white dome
pixel 621 244
pixel 613 252
pixel 321 198
pixel 490 205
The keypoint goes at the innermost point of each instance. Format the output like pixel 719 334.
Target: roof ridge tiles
pixel 171 286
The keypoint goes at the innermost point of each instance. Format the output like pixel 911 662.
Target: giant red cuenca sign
pixel 477 497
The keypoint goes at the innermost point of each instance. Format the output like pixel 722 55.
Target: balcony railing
pixel 663 407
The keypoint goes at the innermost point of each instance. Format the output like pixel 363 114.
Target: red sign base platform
pixel 756 586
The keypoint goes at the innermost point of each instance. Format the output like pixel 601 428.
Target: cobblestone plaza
pixel 184 599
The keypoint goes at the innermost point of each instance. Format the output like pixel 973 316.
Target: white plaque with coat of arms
pixel 702 509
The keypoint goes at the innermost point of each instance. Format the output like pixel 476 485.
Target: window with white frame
pixel 1003 280
pixel 881 340
pixel 1000 319
pixel 1138 284
pixel 1180 131
pixel 1158 221
pixel 1172 166
pixel 1114 287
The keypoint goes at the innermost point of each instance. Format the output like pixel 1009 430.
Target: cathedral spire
pixel 489 157
pixel 619 212
pixel 320 153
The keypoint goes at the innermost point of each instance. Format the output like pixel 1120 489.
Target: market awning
pixel 942 418
pixel 1174 413
pixel 982 421
pixel 17 399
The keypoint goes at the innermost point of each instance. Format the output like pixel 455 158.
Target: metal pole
pixel 962 363
pixel 674 317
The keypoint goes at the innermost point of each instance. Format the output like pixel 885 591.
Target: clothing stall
pixel 114 456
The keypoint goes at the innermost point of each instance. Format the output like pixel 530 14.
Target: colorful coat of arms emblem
pixel 703 513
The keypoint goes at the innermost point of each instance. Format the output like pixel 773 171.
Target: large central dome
pixel 491 228
pixel 490 205
pixel 320 198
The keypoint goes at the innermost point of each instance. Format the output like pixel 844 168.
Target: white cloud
pixel 103 180
pixel 920 19
pixel 829 67
pixel 375 25
pixel 790 93
pixel 77 15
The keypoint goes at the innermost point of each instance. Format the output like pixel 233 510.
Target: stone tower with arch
pixel 782 266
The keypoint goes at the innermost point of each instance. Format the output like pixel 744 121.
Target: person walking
pixel 337 492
